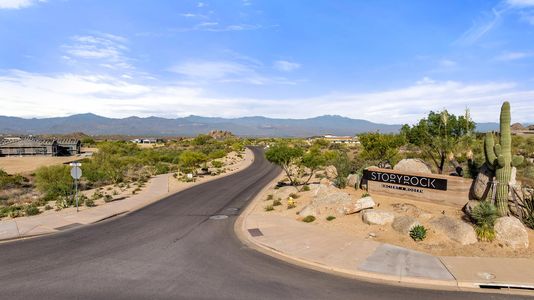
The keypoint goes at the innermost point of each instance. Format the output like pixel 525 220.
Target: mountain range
pixel 192 125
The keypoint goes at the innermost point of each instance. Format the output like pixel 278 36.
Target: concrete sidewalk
pixel 156 189
pixel 310 245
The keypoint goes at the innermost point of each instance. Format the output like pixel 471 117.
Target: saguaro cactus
pixel 499 158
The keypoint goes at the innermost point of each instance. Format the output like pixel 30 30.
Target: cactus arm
pixel 501 161
pixel 488 150
pixel 517 160
pixel 498 150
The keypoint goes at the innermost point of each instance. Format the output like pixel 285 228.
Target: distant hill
pixel 192 125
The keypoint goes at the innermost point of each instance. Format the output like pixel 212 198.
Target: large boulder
pixel 330 172
pixel 327 199
pixel 456 230
pixel 511 232
pixel 328 194
pixel 284 192
pixel 309 210
pixel 412 165
pixel 482 184
pixel 359 205
pixel 403 224
pixel 377 217
pixel 353 180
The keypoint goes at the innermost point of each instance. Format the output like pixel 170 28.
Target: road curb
pixel 132 209
pixel 413 282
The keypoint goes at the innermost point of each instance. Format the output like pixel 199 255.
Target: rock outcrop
pixel 377 217
pixel 403 224
pixel 353 180
pixel 456 230
pixel 511 232
pixel 359 205
pixel 412 165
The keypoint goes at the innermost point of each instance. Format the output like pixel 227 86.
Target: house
pixel 33 146
pixel 147 141
pixel 67 147
pixel 341 139
pixel 10 147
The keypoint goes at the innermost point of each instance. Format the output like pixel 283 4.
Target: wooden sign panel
pixel 443 189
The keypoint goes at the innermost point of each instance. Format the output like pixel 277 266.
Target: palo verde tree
pixel 380 147
pixel 312 160
pixel 287 157
pixel 440 135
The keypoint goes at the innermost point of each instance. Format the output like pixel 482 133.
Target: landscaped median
pixel 157 188
pixel 321 245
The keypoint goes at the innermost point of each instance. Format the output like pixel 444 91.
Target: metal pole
pixel 76 189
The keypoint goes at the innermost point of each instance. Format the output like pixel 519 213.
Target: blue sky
pixel 385 61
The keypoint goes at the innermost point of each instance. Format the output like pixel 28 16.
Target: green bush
pixel 9 181
pixel 330 218
pixel 90 203
pixel 269 208
pixel 306 188
pixel 418 233
pixel 484 216
pixel 48 207
pixel 269 197
pixel 308 219
pixel 54 181
pixel 277 202
pixel 108 198
pixel 217 164
pixel 294 196
pixel 32 210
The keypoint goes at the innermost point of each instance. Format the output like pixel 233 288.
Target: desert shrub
pixel 48 207
pixel 10 181
pixel 54 181
pixel 366 194
pixel 32 210
pixel 330 218
pixel 308 219
pixel 294 196
pixel 269 208
pixel 90 203
pixel 306 188
pixel 97 195
pixel 115 193
pixel 217 164
pixel 277 202
pixel 484 216
pixel 418 233
pixel 270 197
pixel 108 198
pixel 63 202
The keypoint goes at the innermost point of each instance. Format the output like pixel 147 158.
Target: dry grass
pixel 28 164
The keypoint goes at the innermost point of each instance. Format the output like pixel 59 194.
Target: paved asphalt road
pixel 172 250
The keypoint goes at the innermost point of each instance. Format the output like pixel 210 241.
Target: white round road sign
pixel 76 172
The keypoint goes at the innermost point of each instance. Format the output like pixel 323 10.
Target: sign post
pixel 76 173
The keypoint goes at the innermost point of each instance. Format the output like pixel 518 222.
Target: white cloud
pixel 447 63
pixel 286 66
pixel 481 27
pixel 18 4
pixel 520 3
pixel 509 56
pixel 106 48
pixel 201 4
pixel 225 71
pixel 29 94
